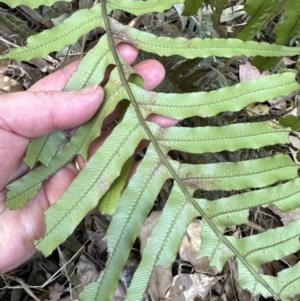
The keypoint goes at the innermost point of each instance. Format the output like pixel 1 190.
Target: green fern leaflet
pixel 274 178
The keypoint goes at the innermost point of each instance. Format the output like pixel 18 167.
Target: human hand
pixel 41 110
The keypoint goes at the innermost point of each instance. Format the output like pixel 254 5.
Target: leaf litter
pixel 65 273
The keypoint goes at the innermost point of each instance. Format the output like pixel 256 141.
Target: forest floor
pixel 78 261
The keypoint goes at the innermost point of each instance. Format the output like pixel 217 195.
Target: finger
pixel 162 120
pixel 27 114
pixel 12 152
pixel 29 220
pixel 57 80
pixel 94 146
pixel 129 54
pixel 33 114
pixel 153 73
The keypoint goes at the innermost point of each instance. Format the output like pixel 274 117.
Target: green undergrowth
pixel 217 147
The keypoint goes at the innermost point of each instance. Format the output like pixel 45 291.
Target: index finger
pixel 57 80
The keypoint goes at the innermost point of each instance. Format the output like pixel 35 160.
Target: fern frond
pixel 262 172
pixel 141 7
pixel 30 3
pixel 196 47
pixel 42 149
pixel 285 30
pixel 54 39
pixel 79 199
pixel 206 104
pixel 136 201
pixel 260 12
pixel 159 131
pixel 178 213
pixel 88 74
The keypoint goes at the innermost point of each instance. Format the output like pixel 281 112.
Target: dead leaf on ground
pixel 190 247
pixel 160 282
pixel 85 4
pixel 242 294
pixel 120 293
pixel 247 72
pixel 286 217
pixel 186 287
pixel 55 292
pixel 161 278
pixel 7 84
pixel 86 270
pixel 295 141
pixel 16 294
pixel 147 228
pixel 287 61
pixel 69 271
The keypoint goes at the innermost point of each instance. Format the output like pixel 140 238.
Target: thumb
pixel 33 114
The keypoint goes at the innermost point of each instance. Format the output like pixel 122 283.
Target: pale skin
pixel 41 110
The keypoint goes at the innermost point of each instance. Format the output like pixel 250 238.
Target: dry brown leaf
pixel 130 267
pixel 160 282
pixel 120 293
pixel 55 292
pixel 186 287
pixel 85 4
pixel 295 141
pixel 247 72
pixel 86 270
pixel 287 61
pixel 286 217
pixel 190 247
pixel 16 294
pixel 147 228
pixel 161 278
pixel 6 83
pixel 242 294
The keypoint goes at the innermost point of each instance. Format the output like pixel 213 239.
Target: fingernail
pixel 88 90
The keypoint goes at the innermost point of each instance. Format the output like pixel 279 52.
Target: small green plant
pixel 136 201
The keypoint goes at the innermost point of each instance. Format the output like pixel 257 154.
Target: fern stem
pixel 165 161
